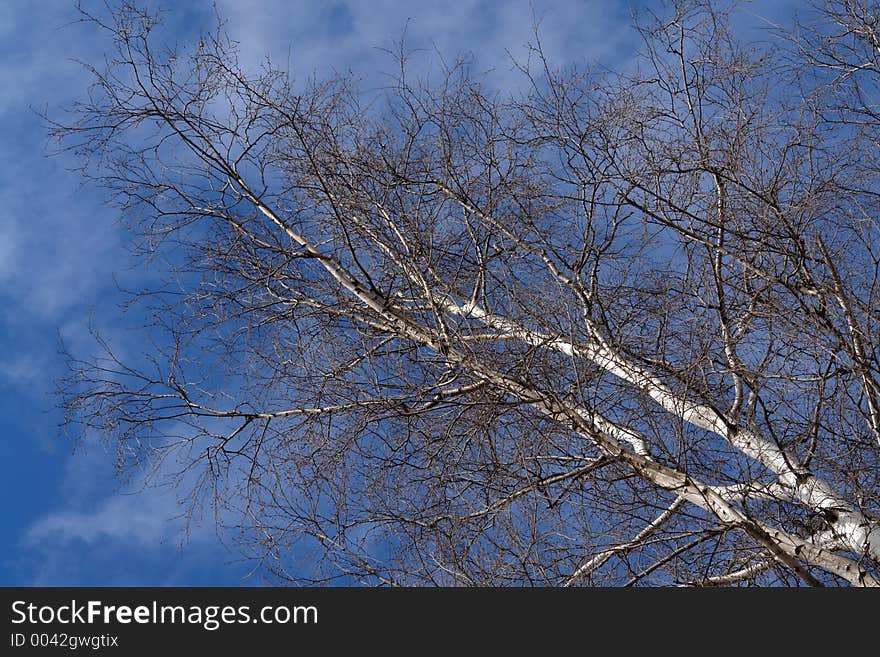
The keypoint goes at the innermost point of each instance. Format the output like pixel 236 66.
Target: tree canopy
pixel 612 327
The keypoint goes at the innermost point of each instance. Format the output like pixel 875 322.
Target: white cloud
pixel 21 369
pixel 57 242
pixel 309 32
pixel 142 519
pixel 90 511
pixel 136 533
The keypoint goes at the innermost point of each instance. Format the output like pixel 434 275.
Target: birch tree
pixel 610 328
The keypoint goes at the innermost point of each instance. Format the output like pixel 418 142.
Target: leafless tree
pixel 614 328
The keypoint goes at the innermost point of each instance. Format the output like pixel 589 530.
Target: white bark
pixel 788 550
pixel 736 576
pixel 852 528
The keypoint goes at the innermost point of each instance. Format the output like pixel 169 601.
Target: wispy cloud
pixel 143 519
pixel 57 242
pixel 319 37
pixel 128 535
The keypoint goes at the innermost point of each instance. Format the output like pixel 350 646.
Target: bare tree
pixel 617 328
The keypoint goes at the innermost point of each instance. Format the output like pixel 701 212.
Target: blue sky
pixel 68 519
